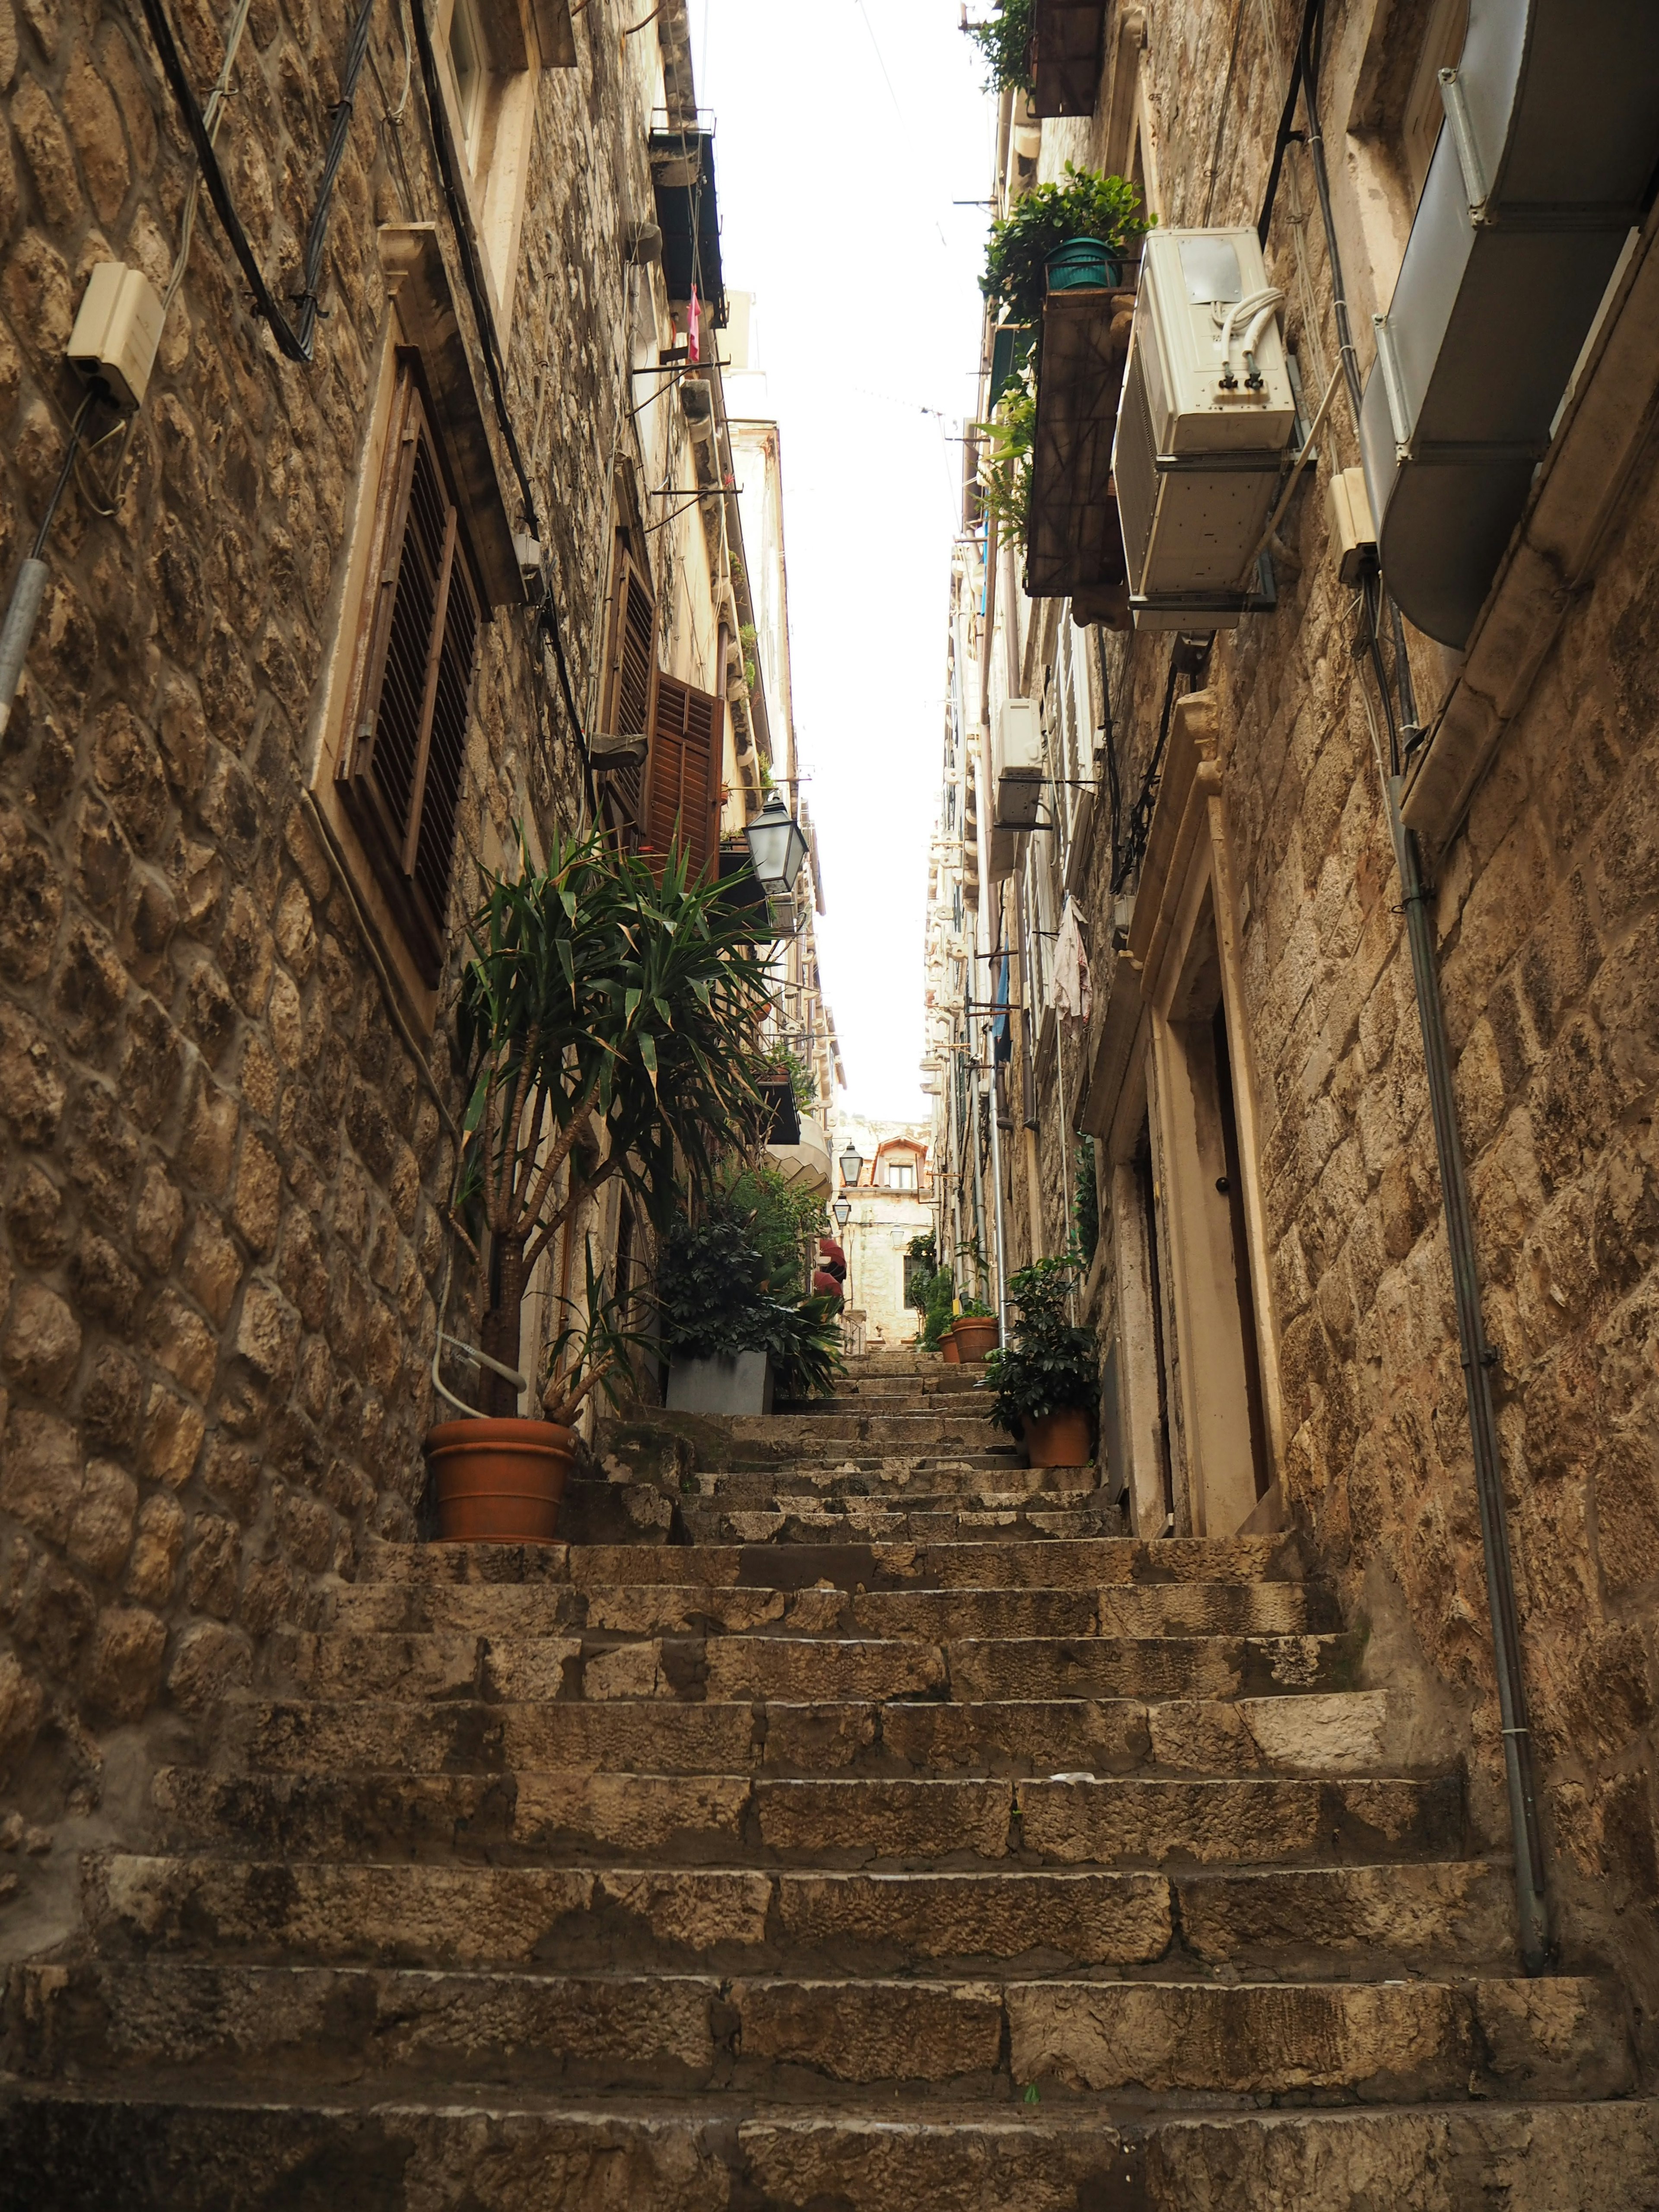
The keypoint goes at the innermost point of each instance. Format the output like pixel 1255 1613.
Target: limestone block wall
pixel 222 1162
pixel 1548 936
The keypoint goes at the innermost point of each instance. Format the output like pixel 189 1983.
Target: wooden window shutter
pixel 403 770
pixel 630 683
pixel 683 791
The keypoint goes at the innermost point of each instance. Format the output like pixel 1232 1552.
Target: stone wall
pixel 1547 931
pixel 223 1159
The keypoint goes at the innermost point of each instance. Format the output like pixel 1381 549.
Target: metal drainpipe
pixel 1477 1356
pixel 1477 1360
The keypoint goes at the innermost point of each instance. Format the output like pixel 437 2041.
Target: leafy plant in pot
pixel 1084 206
pixel 727 1332
pixel 606 1030
pixel 502 1480
pixel 1047 1381
pixel 975 1329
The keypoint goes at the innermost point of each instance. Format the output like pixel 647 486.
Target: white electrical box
pixel 1205 417
pixel 117 330
pixel 1353 534
pixel 1016 763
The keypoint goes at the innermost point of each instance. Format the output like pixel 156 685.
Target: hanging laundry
pixel 1069 993
pixel 693 328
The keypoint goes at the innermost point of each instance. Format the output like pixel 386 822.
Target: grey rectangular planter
pixel 740 1384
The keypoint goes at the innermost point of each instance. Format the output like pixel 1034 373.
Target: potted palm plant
pixel 1048 1381
pixel 607 1028
pixel 502 1482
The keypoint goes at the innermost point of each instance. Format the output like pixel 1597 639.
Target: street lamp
pixel 851 1164
pixel 777 846
pixel 843 1210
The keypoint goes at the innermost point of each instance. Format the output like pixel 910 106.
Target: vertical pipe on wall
pixel 1478 1359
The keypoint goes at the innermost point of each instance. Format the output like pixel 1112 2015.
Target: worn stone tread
pixel 173 2149
pixel 1100 1562
pixel 1337 1732
pixel 440 1663
pixel 1372 2042
pixel 1455 1912
pixel 841 1821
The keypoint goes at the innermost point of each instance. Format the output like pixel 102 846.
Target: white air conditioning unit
pixel 1016 763
pixel 1207 414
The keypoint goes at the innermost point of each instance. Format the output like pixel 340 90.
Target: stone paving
pixel 907 1837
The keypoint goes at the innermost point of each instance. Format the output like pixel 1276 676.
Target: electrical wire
pixel 297 344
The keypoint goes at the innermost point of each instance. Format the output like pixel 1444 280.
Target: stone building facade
pixel 1272 1288
pixel 228 1102
pixel 891 1203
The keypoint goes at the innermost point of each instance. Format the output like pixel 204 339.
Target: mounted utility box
pixel 1206 416
pixel 1016 763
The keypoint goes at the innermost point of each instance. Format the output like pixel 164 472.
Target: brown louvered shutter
pixel 402 772
pixel 683 791
pixel 631 678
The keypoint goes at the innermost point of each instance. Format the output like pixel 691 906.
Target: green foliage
pixel 592 1351
pixel 1005 461
pixel 975 1309
pixel 939 1312
pixel 784 1224
pixel 802 1081
pixel 1086 205
pixel 925 1249
pixel 1050 1367
pixel 606 1029
pixel 716 1300
pixel 1085 1200
pixel 1005 40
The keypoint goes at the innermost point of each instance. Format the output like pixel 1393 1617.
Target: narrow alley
pixel 829 1165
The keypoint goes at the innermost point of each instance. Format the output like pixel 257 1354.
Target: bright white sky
pixel 845 130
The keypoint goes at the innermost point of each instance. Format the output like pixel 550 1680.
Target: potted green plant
pixel 733 1343
pixel 975 1329
pixel 607 1031
pixel 502 1482
pixel 1005 40
pixel 938 1315
pixel 1048 1381
pixel 1086 206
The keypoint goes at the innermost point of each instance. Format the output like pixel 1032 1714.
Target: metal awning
pixel 1551 140
pixel 688 215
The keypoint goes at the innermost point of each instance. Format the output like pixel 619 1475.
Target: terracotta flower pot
pixel 976 1335
pixel 498 1481
pixel 947 1345
pixel 1059 1439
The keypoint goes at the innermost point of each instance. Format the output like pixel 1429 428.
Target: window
pixel 466 56
pixel 631 678
pixel 901 1175
pixel 682 783
pixel 401 771
pixel 1442 45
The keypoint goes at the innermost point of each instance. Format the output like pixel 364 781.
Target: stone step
pixel 929 1487
pixel 176 2150
pixel 577 1815
pixel 1317 1922
pixel 668 1608
pixel 964 1420
pixel 1381 2042
pixel 1102 1562
pixel 1346 1732
pixel 859 1519
pixel 443 1664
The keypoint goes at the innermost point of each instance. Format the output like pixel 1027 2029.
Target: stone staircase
pixel 905 1839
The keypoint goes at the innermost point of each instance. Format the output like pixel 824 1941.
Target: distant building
pixel 892 1206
